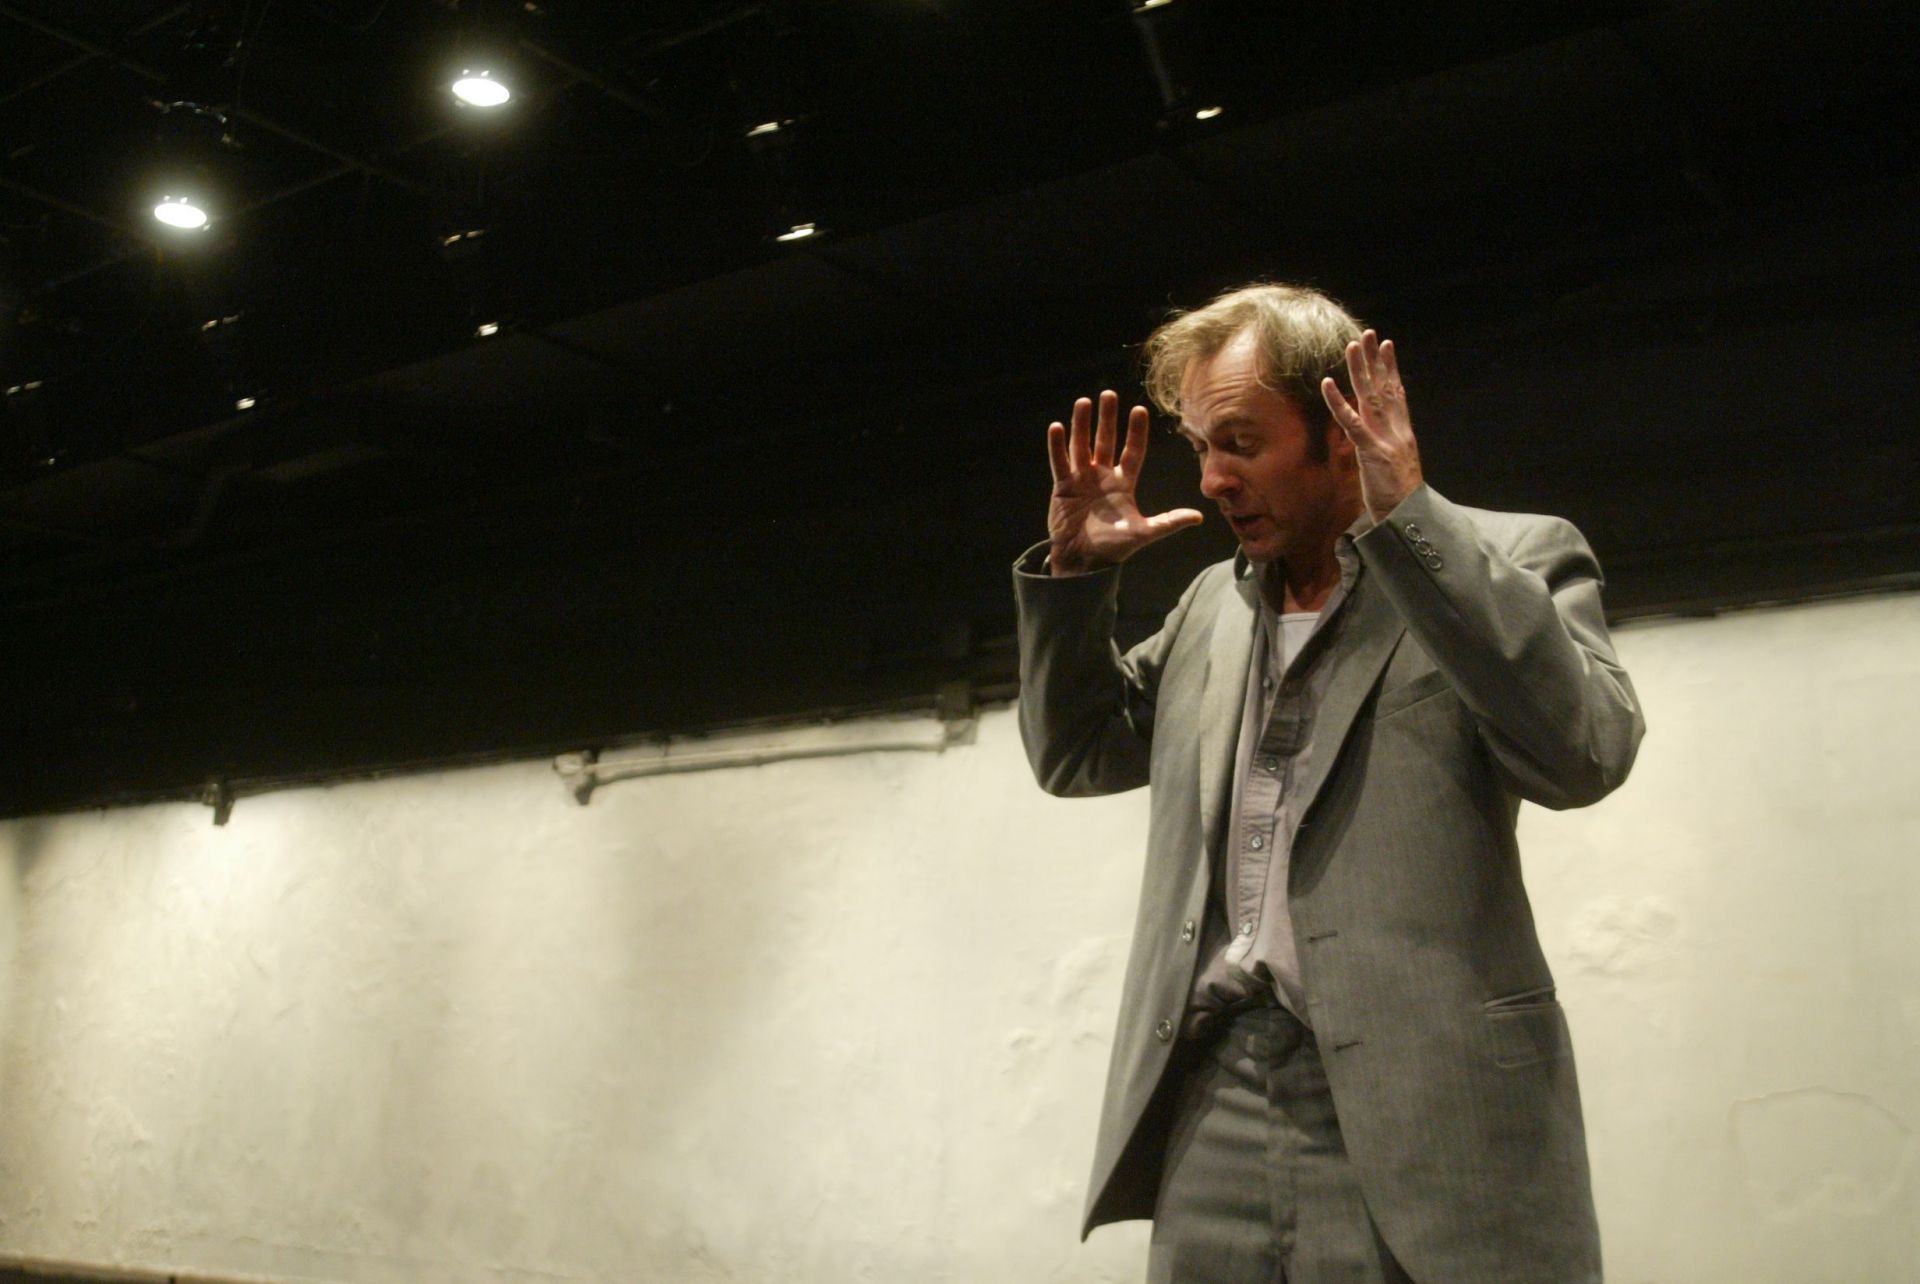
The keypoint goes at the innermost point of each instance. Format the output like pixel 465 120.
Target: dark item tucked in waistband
pixel 1202 1024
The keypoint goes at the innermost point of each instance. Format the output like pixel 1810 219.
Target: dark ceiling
pixel 1651 266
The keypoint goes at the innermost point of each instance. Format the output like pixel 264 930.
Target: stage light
pixel 798 232
pixel 767 127
pixel 1208 113
pixel 479 89
pixel 1152 4
pixel 181 212
pixel 486 329
pixel 245 403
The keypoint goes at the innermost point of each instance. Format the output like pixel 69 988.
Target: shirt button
pixel 1246 928
pixel 1256 842
pixel 1186 930
pixel 1269 762
pixel 1266 683
pixel 1164 1031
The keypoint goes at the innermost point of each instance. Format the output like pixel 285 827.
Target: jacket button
pixel 1186 930
pixel 1164 1031
pixel 1434 562
pixel 1413 532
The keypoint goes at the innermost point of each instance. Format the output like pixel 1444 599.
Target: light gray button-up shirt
pixel 1248 948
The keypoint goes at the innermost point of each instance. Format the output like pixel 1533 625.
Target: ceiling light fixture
pixel 486 329
pixel 181 212
pixel 766 127
pixel 1208 113
pixel 245 403
pixel 1152 4
pixel 479 89
pixel 798 232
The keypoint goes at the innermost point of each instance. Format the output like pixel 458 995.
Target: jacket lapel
pixel 1224 698
pixel 1368 631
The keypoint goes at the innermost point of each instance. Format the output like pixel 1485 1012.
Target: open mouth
pixel 1241 525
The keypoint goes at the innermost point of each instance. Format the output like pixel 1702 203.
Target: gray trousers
pixel 1257 1188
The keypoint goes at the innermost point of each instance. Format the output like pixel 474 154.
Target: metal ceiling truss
pixel 90 51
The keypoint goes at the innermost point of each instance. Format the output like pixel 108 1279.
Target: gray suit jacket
pixel 1472 670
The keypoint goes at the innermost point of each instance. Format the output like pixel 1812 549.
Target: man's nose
pixel 1215 482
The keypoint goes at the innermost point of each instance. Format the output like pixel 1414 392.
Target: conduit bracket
pixel 218 795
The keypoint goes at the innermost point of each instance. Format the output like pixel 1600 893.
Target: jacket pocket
pixel 1527 1029
pixel 1393 699
pixel 1522 999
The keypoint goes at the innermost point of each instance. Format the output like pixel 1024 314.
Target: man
pixel 1339 1054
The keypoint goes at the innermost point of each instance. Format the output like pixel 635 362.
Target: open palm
pixel 1093 519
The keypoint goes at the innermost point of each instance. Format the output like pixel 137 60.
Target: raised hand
pixel 1093 519
pixel 1379 426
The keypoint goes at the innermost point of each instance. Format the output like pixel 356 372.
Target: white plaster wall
pixel 1737 934
pixel 847 1019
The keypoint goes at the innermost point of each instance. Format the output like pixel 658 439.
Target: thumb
pixel 1175 519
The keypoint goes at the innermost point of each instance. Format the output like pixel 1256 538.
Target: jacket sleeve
pixel 1086 710
pixel 1510 612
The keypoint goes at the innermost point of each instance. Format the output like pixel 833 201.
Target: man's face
pixel 1255 464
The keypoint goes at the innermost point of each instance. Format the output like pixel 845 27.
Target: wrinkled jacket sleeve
pixel 1086 710
pixel 1510 612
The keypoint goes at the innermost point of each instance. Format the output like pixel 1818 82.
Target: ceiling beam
pixel 46 78
pixel 673 40
pixel 254 118
pixel 581 75
pixel 78 211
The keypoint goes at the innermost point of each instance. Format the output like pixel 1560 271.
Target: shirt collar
pixel 1247 573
